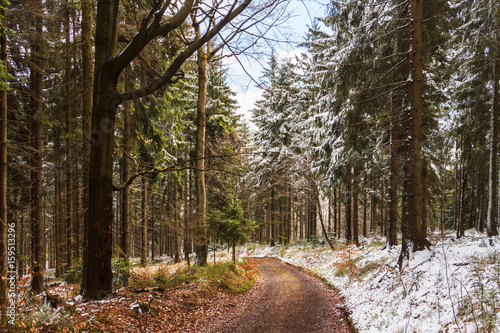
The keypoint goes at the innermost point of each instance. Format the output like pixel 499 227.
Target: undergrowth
pixel 347 264
pixel 482 302
pixel 37 315
pixel 231 278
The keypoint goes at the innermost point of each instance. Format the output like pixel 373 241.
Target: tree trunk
pixel 160 216
pixel 38 258
pixel 443 200
pixel 151 222
pixel 473 204
pixel 413 236
pixel 492 219
pixel 186 209
pixel 281 218
pixel 201 195
pixel 87 58
pixel 425 191
pixel 127 147
pixel 335 217
pixel 355 206
pixel 177 225
pixel 97 275
pixel 272 216
pixel 373 208
pixel 75 171
pixel 233 242
pixel 57 208
pixel 288 213
pixel 382 208
pixel 392 227
pixel 339 212
pixel 348 207
pixel 144 219
pixel 329 213
pixel 461 217
pixel 323 229
pixel 3 171
pixel 482 205
pixel 69 133
pixel 365 215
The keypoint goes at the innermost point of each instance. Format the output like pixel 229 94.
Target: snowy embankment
pixel 453 287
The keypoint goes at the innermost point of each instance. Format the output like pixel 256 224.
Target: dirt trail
pixel 285 300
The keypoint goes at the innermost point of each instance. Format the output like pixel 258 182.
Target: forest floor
pixel 284 299
pixel 454 286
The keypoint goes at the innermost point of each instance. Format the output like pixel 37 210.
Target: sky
pixel 302 13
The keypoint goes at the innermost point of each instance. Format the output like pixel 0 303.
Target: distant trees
pixel 387 122
pixel 376 100
pixel 476 92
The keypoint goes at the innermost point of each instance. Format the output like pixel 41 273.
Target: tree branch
pixel 146 34
pixel 171 75
pixel 176 167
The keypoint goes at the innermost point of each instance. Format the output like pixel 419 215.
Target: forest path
pixel 285 300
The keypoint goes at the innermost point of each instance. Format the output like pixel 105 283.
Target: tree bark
pixel 348 207
pixel 127 147
pixel 201 194
pixel 392 227
pixel 329 209
pixel 160 216
pixel 144 219
pixel 492 219
pixel 461 217
pixel 355 206
pixel 482 205
pixel 425 191
pixel 97 274
pixel 3 170
pixel 288 213
pixel 335 216
pixel 187 198
pixel 69 142
pixel 87 58
pixel 60 267
pixel 443 200
pixel 38 258
pixel 373 208
pixel 272 216
pixel 177 225
pixel 413 236
pixel 473 202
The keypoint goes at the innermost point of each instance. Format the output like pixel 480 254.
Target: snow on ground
pixel 453 287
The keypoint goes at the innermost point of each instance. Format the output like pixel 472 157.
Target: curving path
pixel 285 300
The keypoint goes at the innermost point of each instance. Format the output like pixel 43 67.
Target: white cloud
pixel 246 100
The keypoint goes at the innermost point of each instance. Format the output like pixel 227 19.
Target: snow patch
pixel 452 287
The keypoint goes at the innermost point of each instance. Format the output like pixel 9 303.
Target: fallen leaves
pixel 186 308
